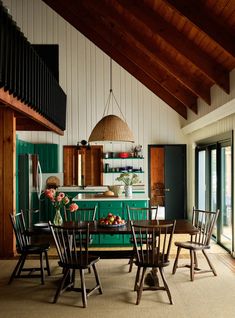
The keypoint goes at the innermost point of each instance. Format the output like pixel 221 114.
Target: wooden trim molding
pixel 7 180
pixel 217 114
pixel 41 123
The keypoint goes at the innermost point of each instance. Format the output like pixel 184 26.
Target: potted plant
pixel 128 179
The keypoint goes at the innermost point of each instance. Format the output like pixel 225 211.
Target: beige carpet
pixel 206 297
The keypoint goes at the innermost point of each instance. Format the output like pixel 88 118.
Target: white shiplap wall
pixel 84 76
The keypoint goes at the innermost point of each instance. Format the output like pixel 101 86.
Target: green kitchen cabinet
pixel 132 204
pixel 48 157
pixel 87 205
pixel 22 147
pixel 117 207
pixel 114 207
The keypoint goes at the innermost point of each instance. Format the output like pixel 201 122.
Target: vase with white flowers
pixel 128 179
pixel 59 200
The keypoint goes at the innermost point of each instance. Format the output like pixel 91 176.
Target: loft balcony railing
pixel 24 75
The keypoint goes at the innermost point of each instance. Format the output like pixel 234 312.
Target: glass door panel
pixel 225 237
pixel 214 188
pixel 213 183
pixel 201 179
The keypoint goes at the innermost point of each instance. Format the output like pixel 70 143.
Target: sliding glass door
pixel 225 230
pixel 214 187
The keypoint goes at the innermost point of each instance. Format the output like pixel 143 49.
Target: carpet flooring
pixel 207 297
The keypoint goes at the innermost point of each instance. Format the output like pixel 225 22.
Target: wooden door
pixel 167 179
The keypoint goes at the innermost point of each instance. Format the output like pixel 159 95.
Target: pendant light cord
pixel 106 109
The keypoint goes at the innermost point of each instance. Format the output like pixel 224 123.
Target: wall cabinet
pixel 83 166
pixel 48 157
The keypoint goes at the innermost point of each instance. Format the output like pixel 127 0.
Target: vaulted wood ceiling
pixel 176 48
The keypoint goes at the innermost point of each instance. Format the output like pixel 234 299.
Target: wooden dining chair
pixel 204 221
pixel 25 249
pixel 153 253
pixel 140 213
pixel 72 247
pixel 81 214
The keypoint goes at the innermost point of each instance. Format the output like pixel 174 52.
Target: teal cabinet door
pixel 133 204
pixel 114 207
pixel 48 157
pixel 87 205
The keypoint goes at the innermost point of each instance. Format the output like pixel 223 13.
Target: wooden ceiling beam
pixel 72 11
pixel 154 53
pixel 127 47
pixel 68 13
pixel 154 24
pixel 205 22
pixel 137 72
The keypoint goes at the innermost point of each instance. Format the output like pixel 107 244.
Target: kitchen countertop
pixel 93 197
pixel 98 189
pixel 92 189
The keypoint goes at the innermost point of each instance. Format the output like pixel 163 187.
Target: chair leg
pixel 191 265
pixel 140 289
pixel 24 256
pixel 209 262
pixel 47 264
pixel 131 260
pixel 42 268
pixel 16 270
pixel 195 260
pixel 166 285
pixel 83 288
pixel 61 285
pixel 176 260
pixel 97 278
pixel 137 277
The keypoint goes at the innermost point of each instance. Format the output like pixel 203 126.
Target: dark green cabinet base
pixel 117 207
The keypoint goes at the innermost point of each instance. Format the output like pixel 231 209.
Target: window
pixel 214 180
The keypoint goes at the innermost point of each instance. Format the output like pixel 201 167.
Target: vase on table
pixel 128 191
pixel 58 220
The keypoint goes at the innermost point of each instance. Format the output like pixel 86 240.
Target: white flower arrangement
pixel 128 178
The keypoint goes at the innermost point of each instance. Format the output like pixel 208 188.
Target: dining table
pixel 183 226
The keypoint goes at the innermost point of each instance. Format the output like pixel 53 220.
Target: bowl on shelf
pixel 116 189
pixel 123 155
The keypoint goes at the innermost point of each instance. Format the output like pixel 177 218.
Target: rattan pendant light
pixel 111 128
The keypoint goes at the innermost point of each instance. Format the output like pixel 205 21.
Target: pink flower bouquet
pixel 59 199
